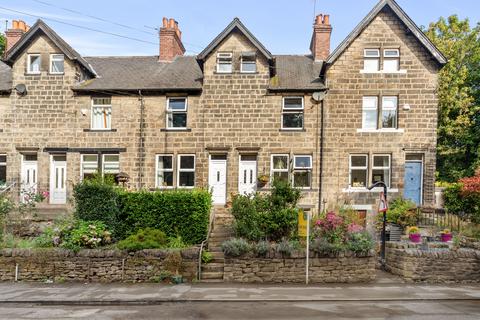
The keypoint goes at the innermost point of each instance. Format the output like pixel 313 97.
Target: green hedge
pixel 183 213
pixel 457 202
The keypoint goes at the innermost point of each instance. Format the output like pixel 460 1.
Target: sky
pixel 283 26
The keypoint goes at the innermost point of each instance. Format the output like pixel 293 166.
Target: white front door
pixel 58 178
pixel 217 178
pixel 247 176
pixel 29 175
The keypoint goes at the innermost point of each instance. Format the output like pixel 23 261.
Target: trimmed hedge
pixel 183 213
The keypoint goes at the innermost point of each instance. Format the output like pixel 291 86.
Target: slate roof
pixel 296 72
pixel 41 26
pixel 398 11
pixel 5 77
pixel 143 73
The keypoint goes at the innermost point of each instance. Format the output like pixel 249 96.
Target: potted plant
pixel 446 235
pixel 414 234
pixel 263 179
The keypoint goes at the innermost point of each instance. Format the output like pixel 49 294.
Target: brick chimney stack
pixel 19 27
pixel 170 41
pixel 322 30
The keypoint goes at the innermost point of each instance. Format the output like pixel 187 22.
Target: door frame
pixel 256 169
pixel 421 175
pixel 226 175
pixel 52 164
pixel 22 164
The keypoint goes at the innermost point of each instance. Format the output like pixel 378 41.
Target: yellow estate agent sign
pixel 302 223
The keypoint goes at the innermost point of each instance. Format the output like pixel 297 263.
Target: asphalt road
pixel 438 310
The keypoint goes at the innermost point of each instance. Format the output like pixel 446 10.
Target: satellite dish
pixel 21 89
pixel 319 96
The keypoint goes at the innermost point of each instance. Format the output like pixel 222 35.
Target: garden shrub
pixel 463 199
pixel 323 246
pixel 207 256
pixel 84 234
pixel 97 200
pixel 176 243
pixel 360 242
pixel 144 239
pixel 402 212
pixel 183 213
pixel 287 247
pixel 267 216
pixel 235 247
pixel 262 248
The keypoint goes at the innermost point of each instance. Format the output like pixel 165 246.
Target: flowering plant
pixel 355 228
pixel 413 230
pixel 445 231
pixel 332 227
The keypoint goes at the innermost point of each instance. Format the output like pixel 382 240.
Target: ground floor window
pixel 302 171
pixel 109 166
pixel 186 171
pixel 164 171
pixel 3 169
pixel 361 170
pixel 358 170
pixel 381 169
pixel 279 170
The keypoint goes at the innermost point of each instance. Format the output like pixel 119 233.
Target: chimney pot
pixel 13 35
pixel 165 22
pixel 318 20
pixel 326 19
pixel 171 23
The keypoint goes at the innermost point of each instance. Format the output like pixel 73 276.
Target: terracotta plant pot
pixel 415 237
pixel 446 237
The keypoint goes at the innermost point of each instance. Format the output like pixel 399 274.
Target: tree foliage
pixel 3 42
pixel 459 97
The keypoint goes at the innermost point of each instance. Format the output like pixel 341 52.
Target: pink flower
pixel 354 228
pixel 45 194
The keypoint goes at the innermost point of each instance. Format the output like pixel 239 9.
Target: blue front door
pixel 413 182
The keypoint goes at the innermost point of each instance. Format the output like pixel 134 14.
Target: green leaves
pixel 459 97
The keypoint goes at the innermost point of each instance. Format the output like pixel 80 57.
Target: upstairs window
pixel 358 171
pixel 369 113
pixel 164 171
pixel 101 113
pixel 279 170
pixel 186 171
pixel 248 62
pixel 381 169
pixel 57 63
pixel 89 165
pixel 371 60
pixel 111 165
pixel 302 171
pixel 177 113
pixel 391 60
pixel 224 62
pixel 389 112
pixel 34 62
pixel 292 113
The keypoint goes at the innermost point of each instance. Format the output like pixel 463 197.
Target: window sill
pixel 175 130
pixel 33 73
pixel 365 190
pixel 56 73
pixel 292 130
pixel 99 130
pixel 402 71
pixel 380 130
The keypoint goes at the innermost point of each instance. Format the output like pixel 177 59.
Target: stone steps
pixel 212 275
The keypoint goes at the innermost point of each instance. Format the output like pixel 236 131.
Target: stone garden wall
pixel 434 265
pixel 342 268
pixel 95 265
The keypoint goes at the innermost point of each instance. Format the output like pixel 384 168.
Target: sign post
pixel 307 249
pixel 304 231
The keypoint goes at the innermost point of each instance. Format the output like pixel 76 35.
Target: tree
pixel 458 151
pixel 2 44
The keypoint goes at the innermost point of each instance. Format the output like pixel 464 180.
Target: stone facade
pixel 415 86
pixel 92 265
pixel 276 268
pixel 433 265
pixel 232 115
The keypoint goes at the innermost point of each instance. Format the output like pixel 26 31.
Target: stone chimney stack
pixel 19 27
pixel 170 41
pixel 322 31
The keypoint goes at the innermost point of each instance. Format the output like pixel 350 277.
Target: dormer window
pixel 34 61
pixel 57 63
pixel 371 60
pixel 224 62
pixel 248 62
pixel 391 60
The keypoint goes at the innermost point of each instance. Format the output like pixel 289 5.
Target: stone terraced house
pixel 331 123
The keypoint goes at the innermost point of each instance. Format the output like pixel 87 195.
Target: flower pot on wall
pixel 415 237
pixel 446 237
